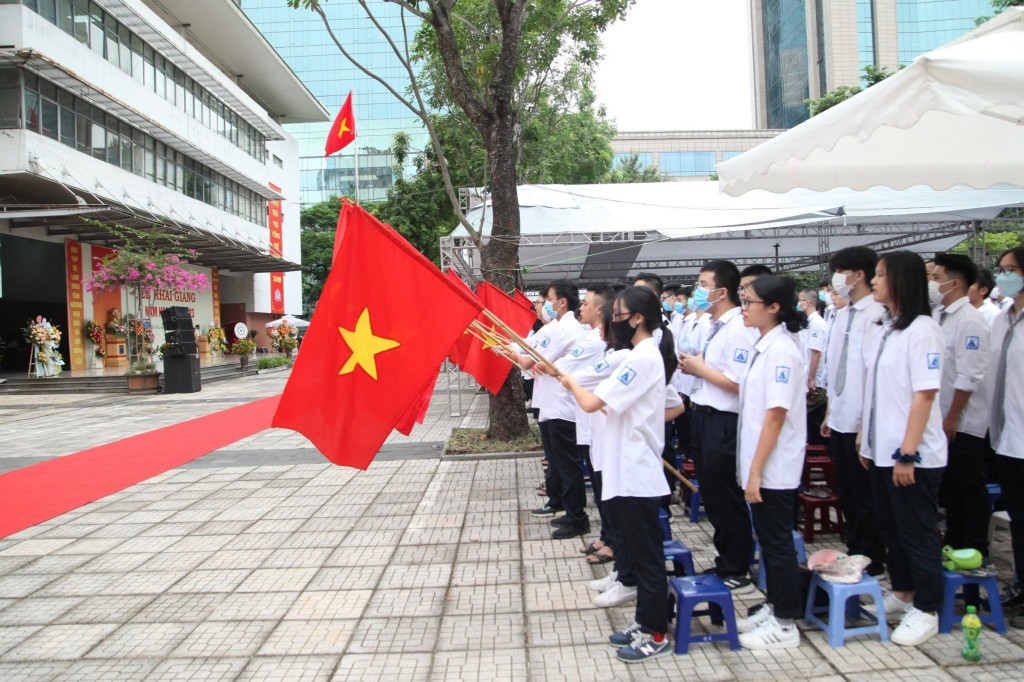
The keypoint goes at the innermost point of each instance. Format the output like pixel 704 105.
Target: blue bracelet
pixel 903 458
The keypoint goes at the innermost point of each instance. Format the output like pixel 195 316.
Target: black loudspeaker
pixel 180 342
pixel 176 317
pixel 181 374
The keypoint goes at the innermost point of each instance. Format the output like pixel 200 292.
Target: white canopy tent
pixel 607 232
pixel 955 116
pixel 290 319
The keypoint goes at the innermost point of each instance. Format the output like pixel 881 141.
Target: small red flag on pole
pixel 344 129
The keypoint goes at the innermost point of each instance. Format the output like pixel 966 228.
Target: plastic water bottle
pixel 972 635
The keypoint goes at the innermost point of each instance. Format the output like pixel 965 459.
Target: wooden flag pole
pixel 530 350
pixel 490 333
pixel 678 475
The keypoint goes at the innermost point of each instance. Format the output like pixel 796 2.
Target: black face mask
pixel 622 333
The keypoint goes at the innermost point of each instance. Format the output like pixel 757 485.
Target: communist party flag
pixel 507 309
pixel 368 355
pixel 344 129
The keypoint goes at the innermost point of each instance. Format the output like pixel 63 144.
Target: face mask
pixel 679 308
pixel 823 297
pixel 666 306
pixel 700 298
pixel 935 293
pixel 839 284
pixel 691 304
pixel 1010 283
pixel 549 310
pixel 622 333
pixel 799 307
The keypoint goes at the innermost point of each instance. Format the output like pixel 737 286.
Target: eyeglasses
pixel 619 316
pixel 1008 270
pixel 745 303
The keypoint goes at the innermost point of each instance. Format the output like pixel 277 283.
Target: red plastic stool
pixel 821 523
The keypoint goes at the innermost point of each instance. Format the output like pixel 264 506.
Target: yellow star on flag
pixel 365 346
pixel 489 340
pixel 344 127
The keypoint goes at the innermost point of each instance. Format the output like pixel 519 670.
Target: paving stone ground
pixel 254 563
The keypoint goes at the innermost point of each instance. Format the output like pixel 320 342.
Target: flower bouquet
pixel 243 346
pixel 218 339
pixel 45 338
pixel 97 336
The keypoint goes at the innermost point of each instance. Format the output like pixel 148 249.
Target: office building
pixel 154 114
pixel 686 154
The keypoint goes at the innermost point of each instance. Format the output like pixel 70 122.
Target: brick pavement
pixel 258 567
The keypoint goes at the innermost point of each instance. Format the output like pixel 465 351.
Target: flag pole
pixel 357 173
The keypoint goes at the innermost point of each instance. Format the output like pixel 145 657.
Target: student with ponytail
pixel 635 397
pixel 770 449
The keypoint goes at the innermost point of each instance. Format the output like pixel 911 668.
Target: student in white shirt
pixel 719 369
pixel 634 398
pixel 852 270
pixel 902 442
pixel 1005 389
pixel 962 401
pixel 772 435
pixel 979 295
pixel 813 339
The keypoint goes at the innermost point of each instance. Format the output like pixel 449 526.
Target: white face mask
pixel 840 286
pixel 935 293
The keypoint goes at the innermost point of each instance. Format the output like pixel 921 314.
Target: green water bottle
pixel 972 635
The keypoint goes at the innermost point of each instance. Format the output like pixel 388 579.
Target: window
pixel 66 16
pixel 96 32
pixel 50 118
pixel 10 98
pixel 124 39
pixel 82 21
pixel 643 159
pixel 686 164
pixel 48 10
pixel 729 155
pixel 113 49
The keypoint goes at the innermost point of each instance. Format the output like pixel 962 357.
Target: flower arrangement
pixel 284 337
pixel 45 337
pixel 243 346
pixel 218 339
pixel 96 334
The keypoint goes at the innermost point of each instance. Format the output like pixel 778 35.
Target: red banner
pixel 277 293
pixel 76 304
pixel 215 291
pixel 275 221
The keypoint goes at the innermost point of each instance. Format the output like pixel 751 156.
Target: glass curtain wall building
pixel 804 49
pixel 301 39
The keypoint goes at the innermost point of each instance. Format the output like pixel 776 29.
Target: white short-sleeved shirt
pixel 590 348
pixel 964 364
pixel 693 332
pixel 814 338
pixel 910 361
pixel 989 311
pixel 590 378
pixel 1011 439
pixel 845 409
pixel 728 351
pixel 553 341
pixel 634 432
pixel 777 378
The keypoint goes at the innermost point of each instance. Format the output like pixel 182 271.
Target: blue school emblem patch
pixel 782 375
pixel 740 355
pixel 627 375
pixel 544 342
pixel 576 352
pixel 973 343
pixel 933 361
pixel 600 366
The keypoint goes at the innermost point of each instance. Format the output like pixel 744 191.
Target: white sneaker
pixel 895 608
pixel 771 634
pixel 602 584
pixel 750 623
pixel 617 594
pixel 916 628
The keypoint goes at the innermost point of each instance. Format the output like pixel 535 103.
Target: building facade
pixel 686 154
pixel 156 115
pixel 806 48
pixel 303 42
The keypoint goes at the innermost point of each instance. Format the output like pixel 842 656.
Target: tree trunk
pixel 500 264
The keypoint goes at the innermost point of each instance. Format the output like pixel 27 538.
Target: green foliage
pixel 998 6
pixel 992 244
pixel 318 223
pixel 271 363
pixel 872 76
pixel 631 170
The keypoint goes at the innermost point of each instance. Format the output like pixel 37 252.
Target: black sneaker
pixel 562 521
pixel 739 584
pixel 546 510
pixel 1013 598
pixel 1017 618
pixel 624 638
pixel 566 532
pixel 644 647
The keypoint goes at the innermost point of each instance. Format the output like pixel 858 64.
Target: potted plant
pixel 97 337
pixel 242 348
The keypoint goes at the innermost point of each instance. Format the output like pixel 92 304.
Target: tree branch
pixel 441 19
pixel 411 10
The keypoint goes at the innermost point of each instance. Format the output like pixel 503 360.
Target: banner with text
pixel 276 222
pixel 215 290
pixel 74 257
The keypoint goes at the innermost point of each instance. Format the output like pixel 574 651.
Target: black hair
pixel 855 258
pixel 755 270
pixel 958 266
pixel 602 290
pixel 607 315
pixel 567 290
pixel 907 282
pixel 986 281
pixel 782 290
pixel 656 283
pixel 686 291
pixel 1018 255
pixel 537 325
pixel 727 276
pixel 825 283
pixel 643 301
pixel 670 289
pixel 617 286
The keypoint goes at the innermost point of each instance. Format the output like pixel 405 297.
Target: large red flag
pixel 523 299
pixel 344 129
pixel 506 308
pixel 417 412
pixel 367 356
pixel 460 349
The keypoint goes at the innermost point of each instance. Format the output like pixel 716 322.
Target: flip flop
pixel 598 558
pixel 590 549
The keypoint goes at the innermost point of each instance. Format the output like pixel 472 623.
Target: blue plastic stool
pixel 687 593
pixel 755 563
pixel 680 556
pixel 995 492
pixel 695 511
pixel 952 582
pixel 843 603
pixel 666 530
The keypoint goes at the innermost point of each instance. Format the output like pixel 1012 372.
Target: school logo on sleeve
pixel 627 375
pixel 933 360
pixel 544 342
pixel 740 355
pixel 782 374
pixel 815 335
pixel 576 352
pixel 600 365
pixel 973 343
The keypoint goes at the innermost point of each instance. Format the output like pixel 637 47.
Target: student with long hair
pixel 902 442
pixel 772 434
pixel 633 484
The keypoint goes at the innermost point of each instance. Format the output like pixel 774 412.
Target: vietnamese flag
pixel 460 349
pixel 523 299
pixel 367 355
pixel 417 412
pixel 344 129
pixel 507 309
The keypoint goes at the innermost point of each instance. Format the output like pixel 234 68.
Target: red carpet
pixel 42 491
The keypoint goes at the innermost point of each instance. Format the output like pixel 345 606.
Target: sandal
pixel 592 548
pixel 598 558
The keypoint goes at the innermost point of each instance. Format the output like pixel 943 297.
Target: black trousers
pixel 863 534
pixel 773 521
pixel 596 479
pixel 552 482
pixel 646 558
pixel 565 458
pixel 907 518
pixel 668 454
pixel 713 449
pixel 964 496
pixel 1011 478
